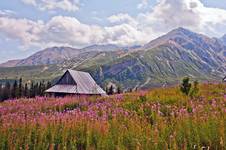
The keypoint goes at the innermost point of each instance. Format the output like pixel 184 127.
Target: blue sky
pixel 27 26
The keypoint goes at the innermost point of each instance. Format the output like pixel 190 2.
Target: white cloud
pixel 23 30
pixel 121 19
pixel 192 14
pixel 70 31
pixel 5 13
pixel 123 30
pixel 143 4
pixel 66 31
pixel 67 5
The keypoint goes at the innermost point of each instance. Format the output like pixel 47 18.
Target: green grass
pixel 161 118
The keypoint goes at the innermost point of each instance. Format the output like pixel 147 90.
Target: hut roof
pixel 83 84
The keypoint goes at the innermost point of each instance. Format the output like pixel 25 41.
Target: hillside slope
pixel 58 55
pixel 10 63
pixel 165 61
pixel 161 62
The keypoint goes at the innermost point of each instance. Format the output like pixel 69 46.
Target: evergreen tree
pixel 26 90
pixel 119 91
pixel 14 89
pixel 136 89
pixel 111 90
pixel 44 88
pixel 36 90
pixel 20 90
pixel 32 90
pixel 48 85
pixel 41 88
pixel 0 92
pixel 130 90
pixel 8 88
pixel 6 91
pixel 185 86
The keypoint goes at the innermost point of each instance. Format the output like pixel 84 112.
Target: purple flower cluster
pixel 43 111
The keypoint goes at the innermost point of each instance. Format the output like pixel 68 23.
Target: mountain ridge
pixel 57 55
pixel 163 61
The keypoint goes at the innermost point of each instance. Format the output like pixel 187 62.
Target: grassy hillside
pixel 162 118
pixel 36 73
pixel 163 65
pixel 85 61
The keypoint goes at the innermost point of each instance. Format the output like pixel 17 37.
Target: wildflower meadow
pixel 158 119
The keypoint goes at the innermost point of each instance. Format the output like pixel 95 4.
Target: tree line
pixel 19 89
pixel 111 90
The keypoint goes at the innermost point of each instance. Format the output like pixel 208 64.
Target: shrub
pixel 195 90
pixel 185 86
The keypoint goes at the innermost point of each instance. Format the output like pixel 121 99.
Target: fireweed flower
pixel 124 116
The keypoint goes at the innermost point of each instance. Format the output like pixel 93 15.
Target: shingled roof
pixel 76 82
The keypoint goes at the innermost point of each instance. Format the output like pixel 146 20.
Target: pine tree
pixel 6 91
pixel 8 87
pixel 119 91
pixel 185 86
pixel 0 92
pixel 20 90
pixel 45 88
pixel 41 88
pixel 111 90
pixel 36 90
pixel 14 89
pixel 26 90
pixel 32 90
pixel 48 85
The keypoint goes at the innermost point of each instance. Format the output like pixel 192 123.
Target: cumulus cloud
pixel 122 19
pixel 192 14
pixel 143 4
pixel 66 31
pixel 70 31
pixel 123 29
pixel 67 5
pixel 23 30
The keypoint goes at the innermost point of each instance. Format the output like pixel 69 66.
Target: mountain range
pixel 57 55
pixel 162 61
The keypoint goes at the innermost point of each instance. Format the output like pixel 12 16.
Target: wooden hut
pixel 76 83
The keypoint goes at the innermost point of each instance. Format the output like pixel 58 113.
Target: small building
pixel 76 83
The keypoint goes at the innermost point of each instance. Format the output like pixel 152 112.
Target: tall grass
pixel 157 119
